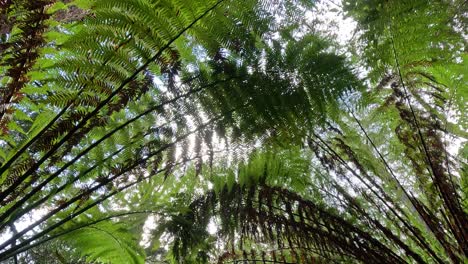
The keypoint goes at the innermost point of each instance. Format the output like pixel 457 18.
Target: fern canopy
pixel 218 131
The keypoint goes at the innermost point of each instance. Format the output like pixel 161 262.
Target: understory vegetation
pixel 227 131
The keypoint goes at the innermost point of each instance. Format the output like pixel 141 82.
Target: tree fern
pixel 231 112
pixel 106 243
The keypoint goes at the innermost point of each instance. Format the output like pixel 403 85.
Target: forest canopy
pixel 226 131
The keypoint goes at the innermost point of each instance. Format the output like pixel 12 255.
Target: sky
pixel 332 13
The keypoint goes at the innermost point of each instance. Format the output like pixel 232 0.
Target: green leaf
pixel 107 242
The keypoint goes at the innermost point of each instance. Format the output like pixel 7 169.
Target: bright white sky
pixel 332 14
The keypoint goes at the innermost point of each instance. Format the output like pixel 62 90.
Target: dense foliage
pixel 218 131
